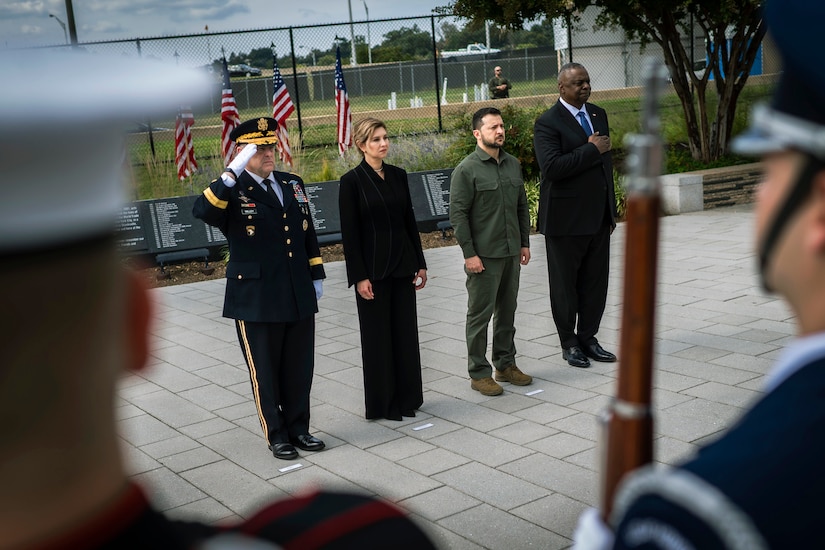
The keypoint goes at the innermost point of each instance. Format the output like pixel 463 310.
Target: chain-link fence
pixel 395 69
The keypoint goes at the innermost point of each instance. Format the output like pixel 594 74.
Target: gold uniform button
pixel 240 276
pixel 290 254
pixel 249 217
pixel 286 228
pixel 284 215
pixel 289 241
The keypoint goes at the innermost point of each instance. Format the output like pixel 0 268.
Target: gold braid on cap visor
pixel 258 138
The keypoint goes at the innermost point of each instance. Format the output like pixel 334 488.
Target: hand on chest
pixel 586 124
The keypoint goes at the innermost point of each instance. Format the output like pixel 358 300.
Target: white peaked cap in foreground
pixel 62 122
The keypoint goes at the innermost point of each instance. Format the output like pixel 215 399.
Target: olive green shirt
pixel 488 206
pixel 496 93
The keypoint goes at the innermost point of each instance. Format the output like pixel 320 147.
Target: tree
pixel 454 38
pixel 257 57
pixel 262 57
pixel 411 43
pixel 540 34
pixel 733 31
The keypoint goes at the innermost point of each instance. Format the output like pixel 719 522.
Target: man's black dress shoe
pixel 284 451
pixel 575 357
pixel 307 442
pixel 598 353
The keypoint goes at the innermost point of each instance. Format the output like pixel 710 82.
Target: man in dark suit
pixel 577 213
pixel 274 280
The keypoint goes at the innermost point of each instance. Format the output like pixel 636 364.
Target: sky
pixel 25 23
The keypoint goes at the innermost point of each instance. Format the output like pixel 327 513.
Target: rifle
pixel 628 422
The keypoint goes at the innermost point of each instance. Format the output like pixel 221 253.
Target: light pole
pixel 62 24
pixel 353 60
pixel 312 52
pixel 369 41
pixel 70 21
pixel 208 44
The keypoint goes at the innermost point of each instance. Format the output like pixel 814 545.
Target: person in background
pixel 385 263
pixel 75 319
pixel 759 486
pixel 499 86
pixel 577 213
pixel 491 221
pixel 274 281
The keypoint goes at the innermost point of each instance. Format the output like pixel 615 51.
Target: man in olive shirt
pixel 499 86
pixel 491 220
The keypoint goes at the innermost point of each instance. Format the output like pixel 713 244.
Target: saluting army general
pixel 274 280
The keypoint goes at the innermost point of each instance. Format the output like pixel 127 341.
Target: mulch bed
pixel 191 272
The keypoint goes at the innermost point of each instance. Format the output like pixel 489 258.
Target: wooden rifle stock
pixel 628 421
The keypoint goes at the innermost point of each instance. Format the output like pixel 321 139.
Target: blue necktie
pixel 584 123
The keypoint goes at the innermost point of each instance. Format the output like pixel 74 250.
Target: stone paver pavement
pixel 512 471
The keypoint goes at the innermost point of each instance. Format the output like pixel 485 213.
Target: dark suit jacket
pixel 378 227
pixel 576 180
pixel 273 250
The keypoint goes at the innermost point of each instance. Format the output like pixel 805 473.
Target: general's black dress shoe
pixel 284 451
pixel 598 353
pixel 575 357
pixel 307 442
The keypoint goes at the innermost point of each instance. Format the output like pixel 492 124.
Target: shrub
pixel 678 159
pixel 518 140
pixel 619 190
pixel 533 190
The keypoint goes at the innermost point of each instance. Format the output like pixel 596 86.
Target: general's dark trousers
pixel 389 349
pixel 578 269
pixel 280 357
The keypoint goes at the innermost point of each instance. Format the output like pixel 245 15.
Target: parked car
pixel 243 70
pixel 472 51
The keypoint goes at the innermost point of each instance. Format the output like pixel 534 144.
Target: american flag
pixel 229 115
pixel 184 151
pixel 342 107
pixel 282 107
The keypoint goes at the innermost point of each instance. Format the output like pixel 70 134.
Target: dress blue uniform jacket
pixel 759 486
pixel 273 249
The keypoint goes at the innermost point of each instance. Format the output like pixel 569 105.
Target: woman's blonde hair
pixel 363 130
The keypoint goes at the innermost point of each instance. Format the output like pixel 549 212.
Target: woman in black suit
pixel 385 262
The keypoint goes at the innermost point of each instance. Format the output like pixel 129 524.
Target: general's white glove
pixel 319 288
pixel 591 532
pixel 239 163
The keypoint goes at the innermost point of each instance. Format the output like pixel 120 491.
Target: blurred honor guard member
pixel 273 281
pixel 75 320
pixel 760 485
